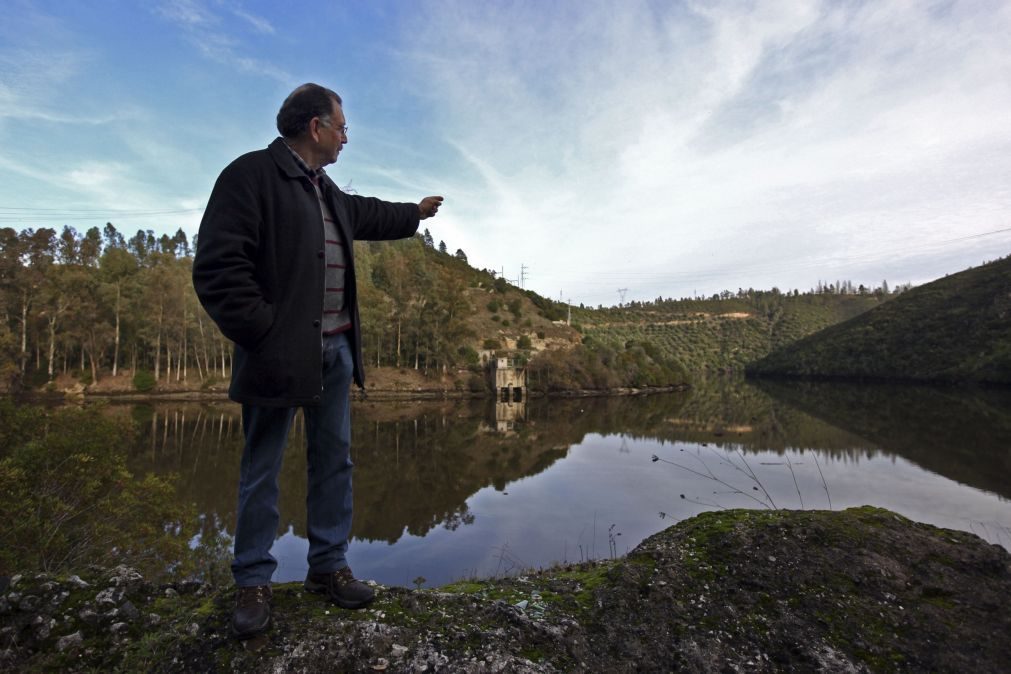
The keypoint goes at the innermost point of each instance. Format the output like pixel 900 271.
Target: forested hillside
pixel 106 312
pixel 957 328
pixel 101 310
pixel 726 332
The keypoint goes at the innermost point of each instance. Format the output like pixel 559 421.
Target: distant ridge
pixel 954 329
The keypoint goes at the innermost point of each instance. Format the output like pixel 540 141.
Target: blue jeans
pixel 328 452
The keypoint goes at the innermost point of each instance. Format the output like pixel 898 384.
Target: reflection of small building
pixel 507 414
pixel 510 380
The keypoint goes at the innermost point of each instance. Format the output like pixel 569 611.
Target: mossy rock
pixel 859 590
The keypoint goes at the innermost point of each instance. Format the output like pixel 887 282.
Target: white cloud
pixel 257 23
pixel 187 13
pixel 209 33
pixel 32 73
pixel 603 145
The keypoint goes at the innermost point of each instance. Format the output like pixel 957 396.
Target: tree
pixel 112 237
pixel 181 244
pixel 37 256
pixel 442 247
pixel 427 239
pixel 117 268
pixel 59 294
pixel 460 255
pixel 67 246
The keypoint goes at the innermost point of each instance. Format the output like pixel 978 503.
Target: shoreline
pixel 357 395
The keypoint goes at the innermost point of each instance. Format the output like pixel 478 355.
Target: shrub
pixel 524 342
pixel 476 383
pixel 143 380
pixel 491 343
pixel 67 499
pixel 493 306
pixel 469 354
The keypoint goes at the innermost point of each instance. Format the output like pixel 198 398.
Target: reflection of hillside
pixel 416 463
pixel 419 462
pixel 202 445
pixel 963 435
pixel 730 413
pixel 417 473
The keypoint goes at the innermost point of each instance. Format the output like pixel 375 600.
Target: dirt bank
pixel 859 590
pixel 383 384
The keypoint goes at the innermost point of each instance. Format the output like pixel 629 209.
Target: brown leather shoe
pixel 252 611
pixel 341 588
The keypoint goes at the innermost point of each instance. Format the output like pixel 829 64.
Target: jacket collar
pixel 282 157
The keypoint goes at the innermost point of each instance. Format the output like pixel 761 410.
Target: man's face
pixel 332 136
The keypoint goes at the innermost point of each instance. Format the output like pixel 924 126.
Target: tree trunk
pixel 115 350
pixel 52 344
pixel 24 330
pixel 157 346
pixel 196 361
pixel 94 367
pixel 203 345
pixel 182 350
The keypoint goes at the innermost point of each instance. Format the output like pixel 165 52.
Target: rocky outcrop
pixel 858 590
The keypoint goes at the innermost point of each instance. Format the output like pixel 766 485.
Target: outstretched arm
pixel 429 206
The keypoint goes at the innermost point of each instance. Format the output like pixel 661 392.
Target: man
pixel 274 268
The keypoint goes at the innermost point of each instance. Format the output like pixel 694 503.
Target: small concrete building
pixel 510 380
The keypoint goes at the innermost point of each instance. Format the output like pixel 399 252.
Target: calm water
pixel 450 490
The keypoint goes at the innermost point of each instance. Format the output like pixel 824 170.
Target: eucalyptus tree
pixel 118 273
pixel 37 254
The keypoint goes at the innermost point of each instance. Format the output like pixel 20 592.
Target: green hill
pixel 957 328
pixel 726 333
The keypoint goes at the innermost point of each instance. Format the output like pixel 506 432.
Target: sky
pixel 591 151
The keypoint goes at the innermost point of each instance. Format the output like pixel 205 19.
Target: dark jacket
pixel 259 270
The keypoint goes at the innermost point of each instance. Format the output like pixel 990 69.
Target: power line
pixel 35 215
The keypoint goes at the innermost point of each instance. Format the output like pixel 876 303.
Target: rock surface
pixel 731 591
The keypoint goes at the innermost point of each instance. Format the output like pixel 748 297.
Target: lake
pixel 447 490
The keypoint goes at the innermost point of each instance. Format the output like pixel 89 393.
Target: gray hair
pixel 305 102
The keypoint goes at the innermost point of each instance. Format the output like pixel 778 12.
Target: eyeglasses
pixel 340 129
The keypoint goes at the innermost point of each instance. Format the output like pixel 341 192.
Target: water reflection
pixel 448 489
pixel 507 415
pixel 963 435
